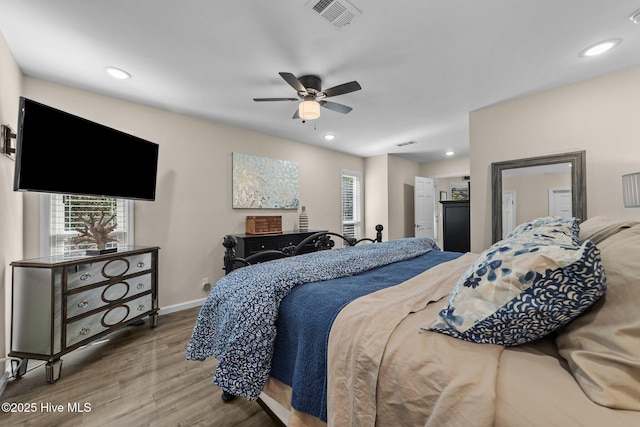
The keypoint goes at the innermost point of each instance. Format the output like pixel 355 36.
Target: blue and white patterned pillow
pixel 557 229
pixel 522 288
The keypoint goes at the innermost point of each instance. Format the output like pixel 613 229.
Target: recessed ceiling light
pixel 449 153
pixel 329 137
pixel 117 73
pixel 600 48
pixel 635 17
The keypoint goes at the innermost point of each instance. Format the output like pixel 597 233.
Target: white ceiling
pixel 423 65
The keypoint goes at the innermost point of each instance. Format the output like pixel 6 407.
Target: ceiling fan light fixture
pixel 309 109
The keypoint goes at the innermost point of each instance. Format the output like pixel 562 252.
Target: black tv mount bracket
pixel 5 141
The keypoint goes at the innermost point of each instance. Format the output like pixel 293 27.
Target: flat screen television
pixel 57 152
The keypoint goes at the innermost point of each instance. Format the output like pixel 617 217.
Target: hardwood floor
pixel 137 377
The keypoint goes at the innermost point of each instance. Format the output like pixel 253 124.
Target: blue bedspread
pixel 236 324
pixel 305 320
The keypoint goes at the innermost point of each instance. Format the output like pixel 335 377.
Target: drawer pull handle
pixel 85 331
pixel 85 276
pixel 83 304
pixel 140 285
pixel 140 264
pixel 141 307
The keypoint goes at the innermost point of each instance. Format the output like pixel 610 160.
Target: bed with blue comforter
pixel 401 333
pixel 273 319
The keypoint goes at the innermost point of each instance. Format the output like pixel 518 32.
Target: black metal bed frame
pixel 322 241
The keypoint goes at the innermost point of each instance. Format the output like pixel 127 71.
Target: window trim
pixel 359 222
pixel 45 222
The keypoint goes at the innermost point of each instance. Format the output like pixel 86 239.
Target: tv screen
pixel 57 152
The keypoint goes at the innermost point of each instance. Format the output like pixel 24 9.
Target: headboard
pixel 321 241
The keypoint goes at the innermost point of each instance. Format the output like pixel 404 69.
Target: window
pixel 61 221
pixel 351 204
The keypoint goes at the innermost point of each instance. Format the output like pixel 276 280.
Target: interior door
pixel 508 212
pixel 560 202
pixel 424 207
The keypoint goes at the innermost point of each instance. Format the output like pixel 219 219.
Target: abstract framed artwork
pixel 264 183
pixel 459 191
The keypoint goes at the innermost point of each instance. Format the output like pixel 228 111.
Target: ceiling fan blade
pixel 342 89
pixel 296 115
pixel 275 99
pixel 334 106
pixel 294 82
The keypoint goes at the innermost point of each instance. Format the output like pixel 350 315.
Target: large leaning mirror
pixel 525 189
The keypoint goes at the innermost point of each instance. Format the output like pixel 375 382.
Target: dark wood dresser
pixel 249 244
pixel 456 226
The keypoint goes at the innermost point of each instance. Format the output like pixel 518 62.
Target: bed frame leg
pixel 227 397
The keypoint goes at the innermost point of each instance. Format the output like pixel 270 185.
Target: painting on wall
pixel 264 183
pixel 459 191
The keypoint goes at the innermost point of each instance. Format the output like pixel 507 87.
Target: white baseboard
pixel 4 379
pixel 182 306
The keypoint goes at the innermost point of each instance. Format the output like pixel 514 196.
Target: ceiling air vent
pixel 338 12
pixel 404 144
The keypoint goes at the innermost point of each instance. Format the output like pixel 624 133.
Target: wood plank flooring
pixel 137 377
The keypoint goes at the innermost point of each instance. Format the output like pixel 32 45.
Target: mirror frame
pixel 578 184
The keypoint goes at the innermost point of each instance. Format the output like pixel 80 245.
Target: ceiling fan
pixel 309 89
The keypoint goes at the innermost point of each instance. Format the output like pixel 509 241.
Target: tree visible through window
pixel 65 224
pixel 351 204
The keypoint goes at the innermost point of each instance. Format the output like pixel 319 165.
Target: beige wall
pixel 376 189
pixel 389 185
pixel 532 193
pixel 192 211
pixel 459 166
pixel 599 115
pixel 10 202
pixel 402 173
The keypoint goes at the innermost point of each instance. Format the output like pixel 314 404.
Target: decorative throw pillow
pixel 543 222
pixel 592 225
pixel 557 229
pixel 599 228
pixel 602 347
pixel 522 288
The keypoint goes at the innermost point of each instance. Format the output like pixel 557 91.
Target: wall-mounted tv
pixel 57 152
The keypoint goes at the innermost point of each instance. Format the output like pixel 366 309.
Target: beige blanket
pixel 384 371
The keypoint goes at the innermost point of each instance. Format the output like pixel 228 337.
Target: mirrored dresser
pixel 61 303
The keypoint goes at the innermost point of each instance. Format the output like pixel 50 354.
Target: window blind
pixel 351 205
pixel 65 223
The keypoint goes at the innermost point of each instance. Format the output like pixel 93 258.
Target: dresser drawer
pixel 92 299
pixel 292 240
pixel 113 316
pixel 95 272
pixel 262 244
